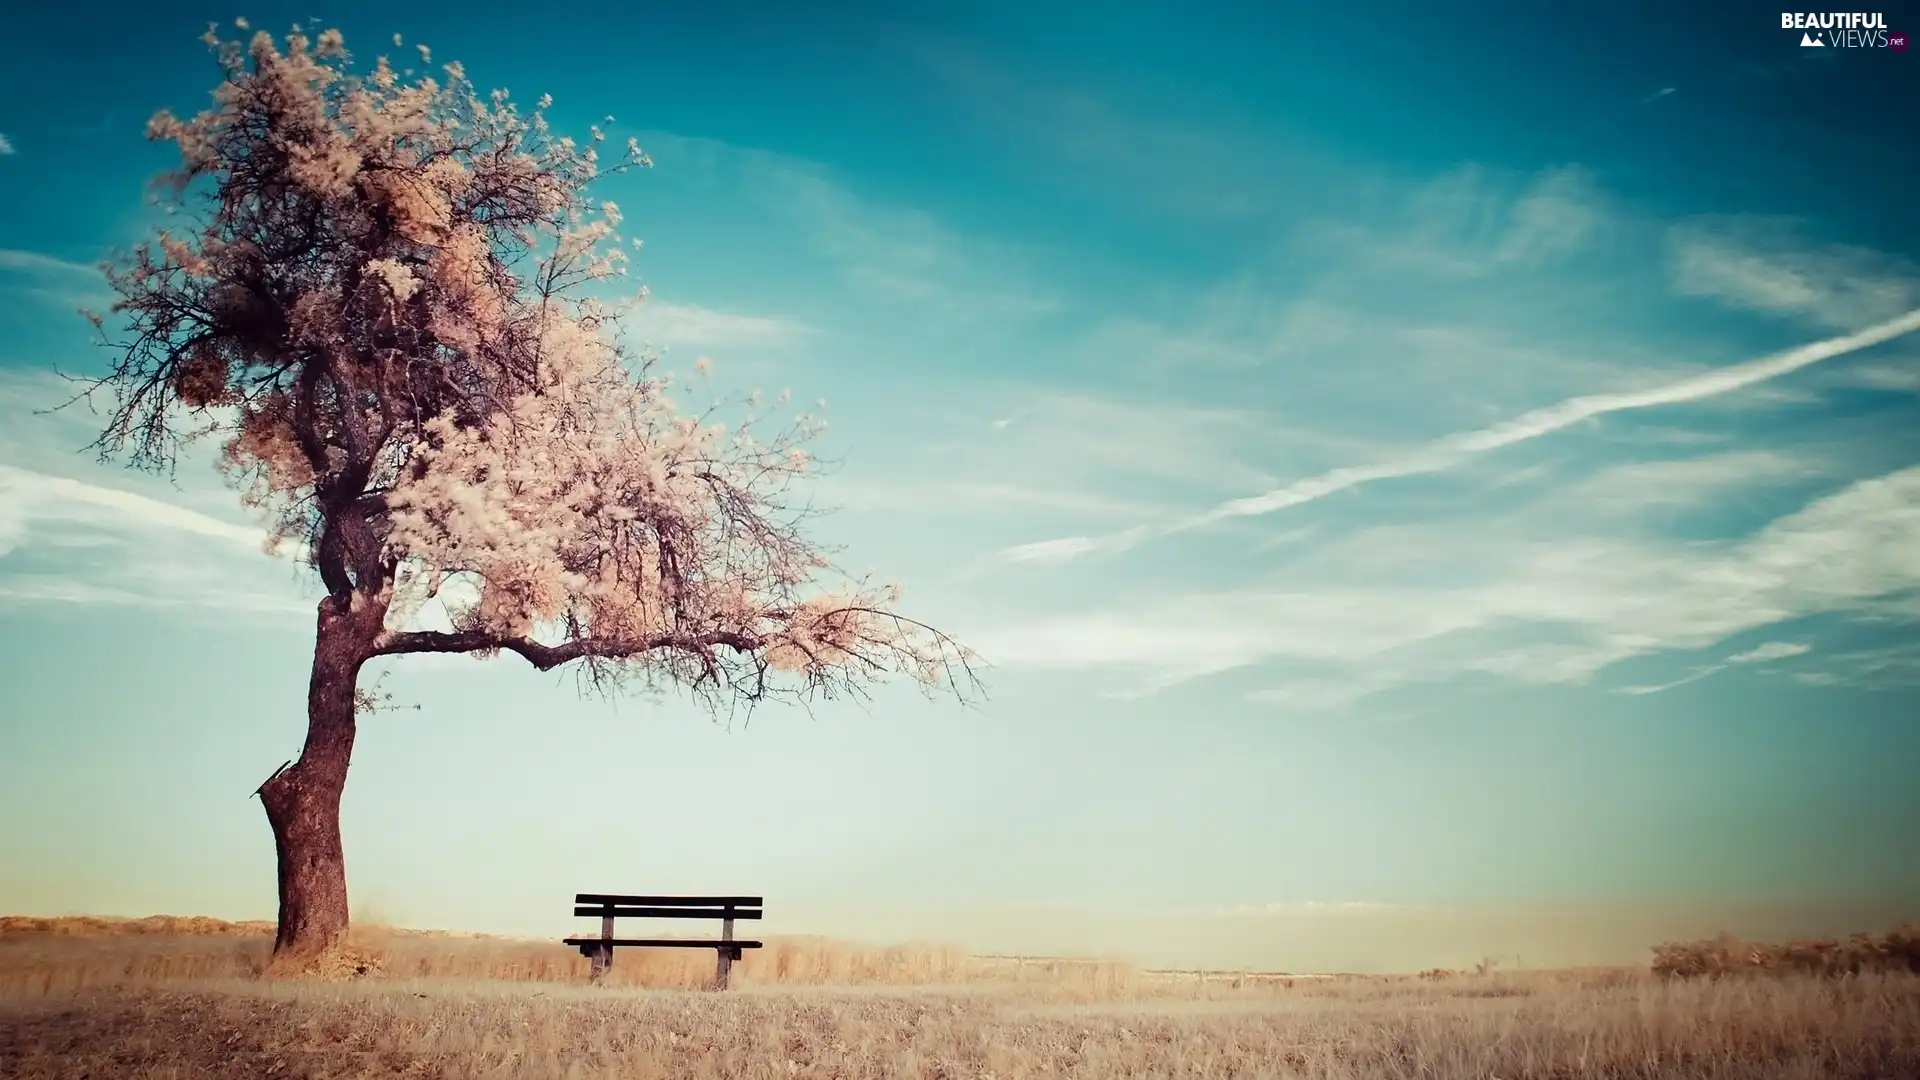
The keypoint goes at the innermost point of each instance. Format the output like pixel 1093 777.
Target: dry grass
pixel 153 1004
pixel 77 952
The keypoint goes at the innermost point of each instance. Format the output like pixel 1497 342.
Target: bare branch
pixel 548 657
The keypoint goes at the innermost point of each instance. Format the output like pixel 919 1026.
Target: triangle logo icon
pixel 1807 40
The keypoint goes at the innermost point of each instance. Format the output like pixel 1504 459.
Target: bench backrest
pixel 617 906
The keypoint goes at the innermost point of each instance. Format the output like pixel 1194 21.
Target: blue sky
pixel 1367 444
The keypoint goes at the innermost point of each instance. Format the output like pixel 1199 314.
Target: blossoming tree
pixel 379 309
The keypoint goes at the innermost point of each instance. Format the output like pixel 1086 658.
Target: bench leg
pixel 726 954
pixel 603 959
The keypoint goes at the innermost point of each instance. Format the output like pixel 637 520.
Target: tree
pixel 380 310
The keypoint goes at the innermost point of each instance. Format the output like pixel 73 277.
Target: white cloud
pixel 1772 650
pixel 6 146
pixel 905 254
pixel 60 590
pixel 891 252
pixel 1468 224
pixel 1893 667
pixel 27 495
pixel 69 541
pixel 34 262
pixel 1070 547
pixel 54 281
pixel 671 324
pixel 1759 654
pixel 1139 459
pixel 1555 216
pixel 1887 667
pixel 1759 265
pixel 76 531
pixel 1396 604
pixel 1889 377
pixel 964 497
pixel 1453 450
pixel 1655 688
pixel 1638 486
pixel 1311 694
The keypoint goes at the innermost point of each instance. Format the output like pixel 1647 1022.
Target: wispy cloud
pixel 1455 449
pixel 76 531
pixel 6 146
pixel 1455 289
pixel 27 495
pixel 69 541
pixel 905 254
pixel 1556 215
pixel 1772 650
pixel 1657 688
pixel 1389 605
pixel 1883 668
pixel 964 497
pixel 1468 223
pixel 1636 487
pixel 1309 694
pixel 1892 377
pixel 897 253
pixel 667 323
pixel 1759 654
pixel 52 280
pixel 1758 264
pixel 1114 451
pixel 1656 95
pixel 1089 440
pixel 34 262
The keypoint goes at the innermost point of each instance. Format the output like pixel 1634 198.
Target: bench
pixel 608 907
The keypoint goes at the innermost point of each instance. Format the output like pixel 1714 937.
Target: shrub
pixel 1896 950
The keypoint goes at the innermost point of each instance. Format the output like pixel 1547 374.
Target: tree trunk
pixel 303 802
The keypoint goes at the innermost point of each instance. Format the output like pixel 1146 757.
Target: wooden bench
pixel 610 907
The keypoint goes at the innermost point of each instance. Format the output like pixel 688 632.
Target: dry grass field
pixel 183 998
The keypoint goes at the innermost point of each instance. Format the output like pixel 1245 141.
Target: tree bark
pixel 303 802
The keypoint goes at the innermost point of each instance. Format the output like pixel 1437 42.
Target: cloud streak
pixel 1772 650
pixel 1759 654
pixel 1452 450
pixel 34 262
pixel 25 493
pixel 1395 605
pixel 67 541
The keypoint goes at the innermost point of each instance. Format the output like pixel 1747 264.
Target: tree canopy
pixel 380 308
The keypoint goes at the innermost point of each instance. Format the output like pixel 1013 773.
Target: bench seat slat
pixel 660 943
pixel 669 901
pixel 667 912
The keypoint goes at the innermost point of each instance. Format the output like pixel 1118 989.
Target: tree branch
pixel 548 657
